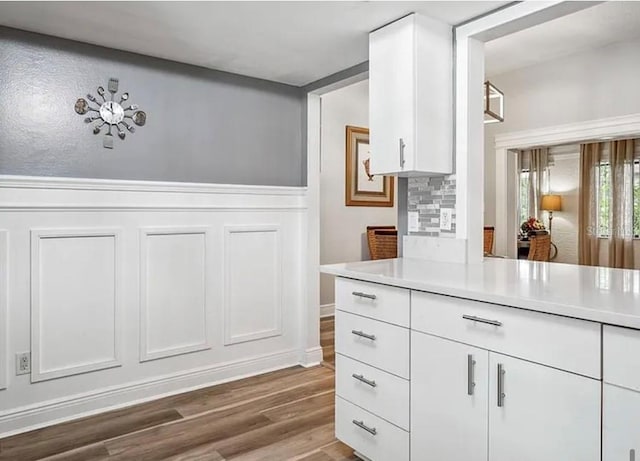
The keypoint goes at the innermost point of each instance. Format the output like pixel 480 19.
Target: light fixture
pixel 493 103
pixel 551 203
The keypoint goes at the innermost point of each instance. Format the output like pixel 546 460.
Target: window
pixel 604 199
pixel 526 209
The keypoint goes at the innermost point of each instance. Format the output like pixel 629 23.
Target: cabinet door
pixel 545 414
pixel 392 96
pixel 621 424
pixel 448 414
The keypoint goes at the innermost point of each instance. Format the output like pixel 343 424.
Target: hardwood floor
pixel 327 341
pixel 283 415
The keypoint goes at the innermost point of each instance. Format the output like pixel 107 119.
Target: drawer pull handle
pixel 363 295
pixel 362 425
pixel 362 379
pixel 363 334
pixel 470 372
pixel 473 318
pixel 632 455
pixel 501 394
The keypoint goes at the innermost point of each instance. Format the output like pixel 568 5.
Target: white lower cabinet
pixel 544 413
pixel 370 435
pixel 470 381
pixel 621 424
pixel 469 404
pixel 448 412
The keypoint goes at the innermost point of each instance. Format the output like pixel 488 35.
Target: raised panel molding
pixel 253 283
pixel 75 301
pixel 174 274
pixel 4 286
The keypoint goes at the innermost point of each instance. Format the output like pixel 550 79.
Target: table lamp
pixel 551 203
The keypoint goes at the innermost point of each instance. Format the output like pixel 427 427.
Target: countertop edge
pixel 564 310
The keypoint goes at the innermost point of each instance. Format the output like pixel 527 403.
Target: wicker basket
pixel 383 242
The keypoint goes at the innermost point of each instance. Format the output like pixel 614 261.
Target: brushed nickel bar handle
pixel 361 378
pixel 470 374
pixel 363 295
pixel 501 394
pixel 402 146
pixel 363 335
pixel 632 455
pixel 362 425
pixel 473 318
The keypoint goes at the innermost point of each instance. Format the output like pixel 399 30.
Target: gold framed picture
pixel 363 188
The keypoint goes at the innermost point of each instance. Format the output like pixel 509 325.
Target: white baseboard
pixel 327 310
pixel 312 357
pixel 77 406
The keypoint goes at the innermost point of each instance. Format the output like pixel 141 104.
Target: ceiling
pixel 289 42
pixel 594 27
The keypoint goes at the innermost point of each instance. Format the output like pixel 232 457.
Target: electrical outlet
pixel 446 216
pixel 23 363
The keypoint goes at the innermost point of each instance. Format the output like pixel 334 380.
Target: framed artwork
pixel 363 188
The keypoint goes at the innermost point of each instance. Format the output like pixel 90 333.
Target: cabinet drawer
pixel 620 424
pixel 386 348
pixel 381 393
pixel 621 361
pixel 374 437
pixel 380 302
pixel 560 342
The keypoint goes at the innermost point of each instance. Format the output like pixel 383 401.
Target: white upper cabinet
pixel 411 97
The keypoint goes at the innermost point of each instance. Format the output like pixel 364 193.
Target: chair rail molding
pixel 117 290
pixel 506 168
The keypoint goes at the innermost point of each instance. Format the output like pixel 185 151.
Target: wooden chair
pixel 540 248
pixel 489 232
pixel 383 242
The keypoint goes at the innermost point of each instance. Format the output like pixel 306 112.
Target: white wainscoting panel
pixel 184 285
pixel 253 283
pixel 4 287
pixel 75 326
pixel 173 291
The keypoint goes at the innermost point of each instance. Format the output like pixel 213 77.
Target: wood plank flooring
pixel 327 341
pixel 283 415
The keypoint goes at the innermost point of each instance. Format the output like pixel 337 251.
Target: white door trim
pixel 469 78
pixel 310 327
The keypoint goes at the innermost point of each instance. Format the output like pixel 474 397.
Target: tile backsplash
pixel 427 195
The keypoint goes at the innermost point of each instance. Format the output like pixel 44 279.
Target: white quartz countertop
pixel 599 294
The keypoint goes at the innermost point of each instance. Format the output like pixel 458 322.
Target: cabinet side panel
pixel 434 96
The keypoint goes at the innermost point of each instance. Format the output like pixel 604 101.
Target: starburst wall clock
pixel 110 114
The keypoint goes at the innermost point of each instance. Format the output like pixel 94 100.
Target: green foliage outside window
pixel 604 199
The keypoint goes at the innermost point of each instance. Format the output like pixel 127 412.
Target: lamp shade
pixel 551 203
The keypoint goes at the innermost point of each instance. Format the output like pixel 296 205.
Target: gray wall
pixel 202 126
